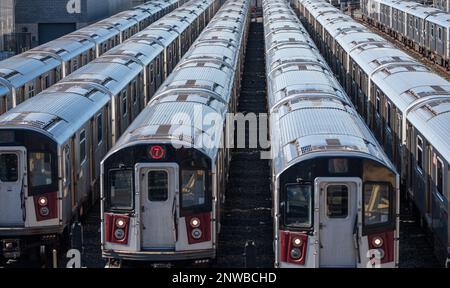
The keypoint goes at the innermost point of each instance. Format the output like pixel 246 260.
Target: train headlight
pixel 119 234
pixel 44 211
pixel 297 242
pixel 377 242
pixel 195 222
pixel 296 253
pixel 43 201
pixel 120 223
pixel 196 233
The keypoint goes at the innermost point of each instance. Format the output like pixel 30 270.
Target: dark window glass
pixel 338 165
pixel 99 128
pixel 337 201
pixel 40 167
pixel 298 211
pixel 440 176
pixel 82 146
pixel 419 153
pixel 124 103
pixel 388 115
pixel 158 185
pixel 121 189
pixel 377 203
pixel 9 167
pixel 193 188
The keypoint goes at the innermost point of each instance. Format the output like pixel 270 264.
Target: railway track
pixel 247 215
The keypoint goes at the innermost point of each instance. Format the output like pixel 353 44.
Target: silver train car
pixel 335 192
pixel 403 102
pixel 163 182
pixel 51 145
pixel 29 73
pixel 420 27
pixel 442 4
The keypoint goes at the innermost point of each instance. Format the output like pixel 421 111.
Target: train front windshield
pixel 299 205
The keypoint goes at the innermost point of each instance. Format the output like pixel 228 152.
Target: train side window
pixel 99 129
pixel 30 91
pixel 82 147
pixel 134 91
pixel 158 186
pixel 66 166
pixel 378 104
pixel 388 114
pixel 124 103
pixel 9 167
pixel 45 82
pixel 432 30
pixel 377 203
pixel 419 153
pixel 440 176
pixel 193 188
pixel 157 66
pixel 152 74
pixel 440 33
pixel 298 206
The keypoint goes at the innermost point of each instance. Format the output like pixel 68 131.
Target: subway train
pixel 420 27
pixel 51 145
pixel 163 183
pixel 404 103
pixel 29 73
pixel 335 192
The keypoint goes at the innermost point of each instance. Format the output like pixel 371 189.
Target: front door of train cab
pixel 158 200
pixel 337 204
pixel 12 183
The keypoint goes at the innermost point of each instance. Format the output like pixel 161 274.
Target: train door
pixel 159 193
pixel 13 169
pixel 338 210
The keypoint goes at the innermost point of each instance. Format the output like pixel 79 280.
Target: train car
pixel 31 72
pixel 162 183
pixel 442 4
pixel 48 182
pixel 421 27
pixel 406 106
pixel 335 192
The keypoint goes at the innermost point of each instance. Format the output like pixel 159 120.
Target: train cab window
pixel 377 203
pixel 158 185
pixel 82 146
pixel 419 153
pixel 40 167
pixel 298 206
pixel 337 201
pixel 121 189
pixel 193 188
pixel 440 176
pixel 9 167
pixel 99 129
pixel 66 166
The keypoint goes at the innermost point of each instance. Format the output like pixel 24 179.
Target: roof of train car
pixel 24 68
pixel 181 95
